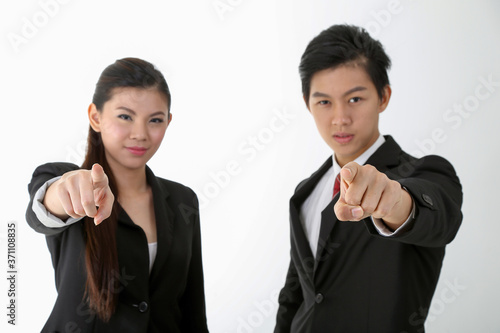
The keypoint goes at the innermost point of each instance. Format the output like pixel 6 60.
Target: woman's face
pixel 132 125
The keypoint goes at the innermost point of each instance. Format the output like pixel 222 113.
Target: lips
pixel 343 138
pixel 138 151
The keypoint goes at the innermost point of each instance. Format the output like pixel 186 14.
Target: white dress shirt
pixel 321 196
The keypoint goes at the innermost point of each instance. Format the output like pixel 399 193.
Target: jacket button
pixel 319 298
pixel 427 199
pixel 143 307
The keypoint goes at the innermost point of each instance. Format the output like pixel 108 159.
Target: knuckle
pixel 71 184
pixel 79 211
pixel 368 208
pixel 71 212
pixel 382 211
pixel 351 200
pixel 82 174
pixel 61 190
pixel 338 208
pixel 396 187
pixel 369 169
pixel 379 176
pixel 383 177
pixel 87 202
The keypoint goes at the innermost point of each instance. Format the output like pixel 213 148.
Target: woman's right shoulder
pixel 55 168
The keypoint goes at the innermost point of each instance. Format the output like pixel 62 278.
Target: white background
pixel 231 70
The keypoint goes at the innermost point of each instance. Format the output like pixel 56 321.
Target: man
pixel 369 259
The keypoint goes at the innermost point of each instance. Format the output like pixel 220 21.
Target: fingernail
pixel 357 212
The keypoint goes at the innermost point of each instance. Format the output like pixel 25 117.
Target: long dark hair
pixel 101 255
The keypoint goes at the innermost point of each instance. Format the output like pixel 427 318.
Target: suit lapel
pixel 297 230
pixel 328 221
pixel 385 156
pixel 164 217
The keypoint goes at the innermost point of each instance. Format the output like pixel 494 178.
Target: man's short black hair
pixel 341 45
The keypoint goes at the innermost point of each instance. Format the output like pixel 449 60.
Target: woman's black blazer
pixel 170 299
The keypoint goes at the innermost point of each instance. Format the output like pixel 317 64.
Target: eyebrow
pixel 158 113
pixel 348 92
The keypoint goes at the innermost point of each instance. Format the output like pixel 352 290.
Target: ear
pixel 169 118
pixel 386 96
pixel 94 118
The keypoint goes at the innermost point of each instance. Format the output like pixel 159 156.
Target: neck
pixel 129 181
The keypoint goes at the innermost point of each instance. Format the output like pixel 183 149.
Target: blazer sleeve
pixel 193 300
pixel 436 190
pixel 290 299
pixel 40 176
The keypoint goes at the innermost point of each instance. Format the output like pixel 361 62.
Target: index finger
pixel 349 172
pixel 99 178
pixel 105 208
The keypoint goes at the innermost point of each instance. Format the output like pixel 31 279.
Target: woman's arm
pixel 75 194
pixel 193 300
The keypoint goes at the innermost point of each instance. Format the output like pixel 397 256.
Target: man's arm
pixel 289 300
pixel 437 192
pixel 431 184
pixel 365 192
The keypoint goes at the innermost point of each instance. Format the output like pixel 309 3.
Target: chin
pixel 341 148
pixel 134 164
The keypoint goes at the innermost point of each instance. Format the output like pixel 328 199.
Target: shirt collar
pixel 363 157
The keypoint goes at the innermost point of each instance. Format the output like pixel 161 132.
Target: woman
pixel 125 244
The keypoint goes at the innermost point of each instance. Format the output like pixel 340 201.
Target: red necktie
pixel 336 186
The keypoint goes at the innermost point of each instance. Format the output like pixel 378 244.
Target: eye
pixel 125 117
pixel 354 99
pixel 157 120
pixel 324 102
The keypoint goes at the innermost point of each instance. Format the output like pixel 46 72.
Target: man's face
pixel 345 106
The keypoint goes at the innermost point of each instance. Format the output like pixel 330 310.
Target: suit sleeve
pixel 437 193
pixel 290 299
pixel 40 176
pixel 193 301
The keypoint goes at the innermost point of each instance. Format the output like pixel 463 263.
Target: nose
pixel 139 131
pixel 340 116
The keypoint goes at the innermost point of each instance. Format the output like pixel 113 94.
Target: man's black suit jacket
pixel 170 299
pixel 361 281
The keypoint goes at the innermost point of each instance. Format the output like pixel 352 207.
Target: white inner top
pixel 153 248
